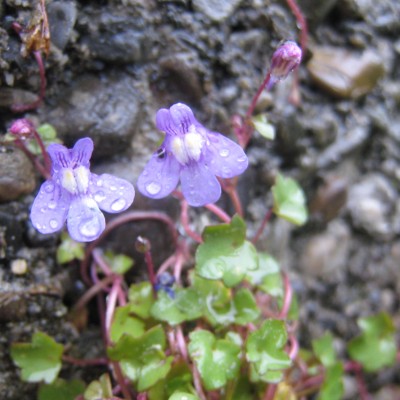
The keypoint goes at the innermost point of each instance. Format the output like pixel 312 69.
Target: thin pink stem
pixel 288 297
pixel 185 222
pixel 221 214
pixel 302 23
pixel 169 262
pixel 197 383
pixel 34 160
pixel 294 347
pixel 121 381
pixel 180 258
pixel 180 338
pixel 270 391
pixel 150 269
pixel 83 362
pixel 253 103
pixel 111 303
pixel 264 222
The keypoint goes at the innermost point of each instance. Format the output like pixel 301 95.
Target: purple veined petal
pixel 81 152
pixel 85 221
pixel 224 157
pixel 199 185
pixel 182 117
pixel 160 176
pixel 163 120
pixel 60 156
pixel 50 207
pixel 112 194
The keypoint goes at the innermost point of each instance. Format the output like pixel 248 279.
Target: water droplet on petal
pixel 118 205
pixel 99 182
pixel 52 204
pixel 53 224
pixel 113 188
pixel 99 196
pixel 242 159
pixel 153 188
pixel 89 228
pixel 49 187
pixel 224 153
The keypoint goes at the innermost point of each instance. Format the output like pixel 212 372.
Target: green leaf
pixel 69 250
pixel 61 390
pixel 101 389
pixel 142 359
pixel 289 200
pixel 183 396
pixel 124 323
pixel 184 307
pixel 332 388
pixel 47 132
pixel 225 254
pixel 268 276
pixel 245 307
pixel 264 350
pixel 141 299
pixel 263 127
pixel 218 360
pixel 376 346
pixel 119 263
pixel 324 350
pixel 39 360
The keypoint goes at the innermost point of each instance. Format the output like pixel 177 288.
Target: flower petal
pixel 112 194
pixel 224 157
pixel 182 117
pixel 199 185
pixel 163 120
pixel 50 207
pixel 160 176
pixel 82 151
pixel 85 220
pixel 60 156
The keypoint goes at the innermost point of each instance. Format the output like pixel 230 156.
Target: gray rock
pixel 105 109
pixel 371 205
pixel 316 11
pixel 217 10
pixel 17 177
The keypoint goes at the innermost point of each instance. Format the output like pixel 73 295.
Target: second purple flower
pixel 192 154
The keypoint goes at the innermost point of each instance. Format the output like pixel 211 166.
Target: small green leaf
pixel 119 263
pixel 39 360
pixel 184 307
pixel 332 388
pixel 101 389
pixel 183 396
pixel 47 132
pixel 124 323
pixel 324 350
pixel 264 350
pixel 289 200
pixel 225 254
pixel 218 360
pixel 376 346
pixel 263 127
pixel 142 359
pixel 245 307
pixel 268 276
pixel 69 250
pixel 61 390
pixel 141 299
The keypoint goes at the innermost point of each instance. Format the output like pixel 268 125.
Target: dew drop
pixel 52 204
pixel 99 182
pixel 242 159
pixel 99 196
pixel 153 188
pixel 224 153
pixel 118 205
pixel 53 224
pixel 42 210
pixel 89 228
pixel 49 188
pixel 113 188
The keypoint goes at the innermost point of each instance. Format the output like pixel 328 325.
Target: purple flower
pixel 75 195
pixel 192 154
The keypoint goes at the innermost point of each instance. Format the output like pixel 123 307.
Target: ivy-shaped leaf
pixel 324 350
pixel 376 346
pixel 39 360
pixel 61 390
pixel 264 350
pixel 185 306
pixel 245 306
pixel 218 360
pixel 119 263
pixel 141 299
pixel 225 254
pixel 263 127
pixel 125 323
pixel 289 200
pixel 143 359
pixel 332 388
pixel 99 389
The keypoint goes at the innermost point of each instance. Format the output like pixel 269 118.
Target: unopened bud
pixel 22 127
pixel 142 245
pixel 285 59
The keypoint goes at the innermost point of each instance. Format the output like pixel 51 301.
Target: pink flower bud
pixel 285 59
pixel 22 127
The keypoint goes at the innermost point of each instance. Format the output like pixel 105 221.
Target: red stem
pixel 221 214
pixel 260 230
pixel 185 222
pixel 270 391
pixel 253 103
pixel 150 269
pixel 34 160
pixel 84 363
pixel 288 297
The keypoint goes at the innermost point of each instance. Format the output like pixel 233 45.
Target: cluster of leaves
pixel 231 343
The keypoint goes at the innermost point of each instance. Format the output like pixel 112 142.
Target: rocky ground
pixel 113 63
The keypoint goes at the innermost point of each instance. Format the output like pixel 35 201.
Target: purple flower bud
pixel 192 155
pixel 22 127
pixel 285 59
pixel 75 195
